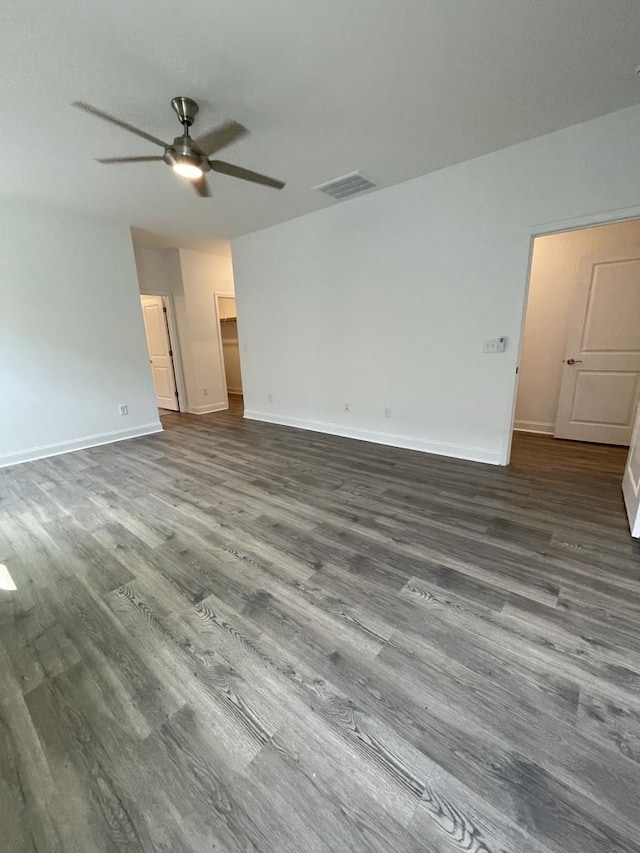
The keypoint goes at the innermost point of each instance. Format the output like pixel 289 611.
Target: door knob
pixel 574 361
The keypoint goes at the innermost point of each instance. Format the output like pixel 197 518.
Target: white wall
pixel 554 276
pixel 203 275
pixel 159 272
pixel 192 279
pixel 72 344
pixel 320 298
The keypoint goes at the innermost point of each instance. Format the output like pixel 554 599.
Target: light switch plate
pixel 494 344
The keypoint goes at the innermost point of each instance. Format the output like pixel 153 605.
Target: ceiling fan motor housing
pixel 184 150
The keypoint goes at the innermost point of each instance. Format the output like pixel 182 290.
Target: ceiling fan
pixel 189 158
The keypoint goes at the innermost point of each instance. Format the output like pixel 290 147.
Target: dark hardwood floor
pixel 241 637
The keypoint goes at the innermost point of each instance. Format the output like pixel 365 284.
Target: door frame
pixel 543 229
pixel 630 487
pixel 174 344
pixel 216 300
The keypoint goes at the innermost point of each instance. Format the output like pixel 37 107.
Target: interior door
pixel 600 382
pixel 631 480
pixel 160 355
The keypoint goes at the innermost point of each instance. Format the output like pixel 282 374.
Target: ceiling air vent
pixel 346 186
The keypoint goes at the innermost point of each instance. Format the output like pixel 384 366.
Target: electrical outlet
pixel 387 412
pixel 123 409
pixel 270 398
pixel 347 407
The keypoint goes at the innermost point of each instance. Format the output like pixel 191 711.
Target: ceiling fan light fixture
pixel 186 168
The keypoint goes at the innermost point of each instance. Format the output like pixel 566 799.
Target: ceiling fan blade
pixel 202 187
pixel 244 174
pixel 123 124
pixel 127 159
pixel 220 137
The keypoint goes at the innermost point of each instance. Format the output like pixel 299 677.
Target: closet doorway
pixel 228 319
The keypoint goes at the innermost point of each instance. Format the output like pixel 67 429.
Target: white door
pixel 631 480
pixel 160 355
pixel 600 382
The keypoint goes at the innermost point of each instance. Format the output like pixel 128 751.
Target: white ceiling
pixel 395 88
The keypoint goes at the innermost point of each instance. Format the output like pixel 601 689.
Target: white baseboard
pixel 534 426
pixel 206 410
pixel 45 450
pixel 474 454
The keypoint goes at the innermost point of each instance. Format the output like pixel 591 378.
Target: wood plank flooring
pixel 240 637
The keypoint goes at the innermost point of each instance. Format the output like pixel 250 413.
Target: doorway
pixel 228 320
pixel 157 326
pixel 579 372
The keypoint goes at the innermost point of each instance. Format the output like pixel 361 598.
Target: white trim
pixel 631 503
pixel 507 438
pixel 206 410
pixel 46 450
pixel 589 220
pixel 542 229
pixel 630 485
pixel 223 371
pixel 534 426
pixel 474 454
